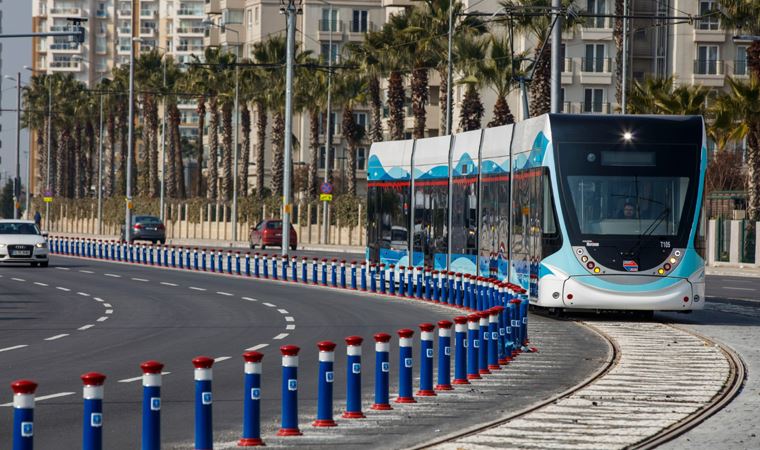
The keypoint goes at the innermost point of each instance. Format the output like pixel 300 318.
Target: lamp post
pixel 162 195
pixel 291 10
pixel 328 127
pixel 449 69
pixel 130 143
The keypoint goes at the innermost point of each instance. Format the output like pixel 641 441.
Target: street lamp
pixel 290 8
pixel 17 180
pixel 130 143
pixel 49 81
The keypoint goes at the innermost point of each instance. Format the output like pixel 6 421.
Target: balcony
pixel 357 30
pixel 190 48
pixel 123 49
pixel 63 66
pixel 328 27
pixel 597 29
pixel 709 31
pixel 708 72
pixel 125 13
pixel 62 28
pixel 65 12
pixel 125 31
pixel 567 71
pixel 64 47
pixel 190 12
pixel 191 30
pixel 101 14
pixel 595 108
pixel 596 70
pixel 147 32
pixel 148 13
pixel 741 69
pixel 398 3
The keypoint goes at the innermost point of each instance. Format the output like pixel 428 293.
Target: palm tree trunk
pixel 753 58
pixel 472 110
pixel 153 186
pixel 350 133
pixel 443 93
pixel 227 151
pixel 617 34
pixel 78 169
pixel 121 169
pixel 213 148
pixel 108 167
pixel 376 127
pixel 201 110
pixel 540 87
pixel 278 135
pixel 396 101
pixel 419 100
pixel 753 173
pixel 245 128
pixel 171 150
pixel 502 115
pixel 92 160
pixel 179 166
pixel 313 154
pixel 61 157
pixel 145 149
pixel 261 140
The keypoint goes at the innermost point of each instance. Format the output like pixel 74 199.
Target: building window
pixel 361 120
pixel 361 158
pixel 256 15
pixel 708 10
pixel 322 156
pixel 740 65
pixel 594 60
pixel 232 16
pixel 707 60
pixel 325 51
pixel 593 100
pixel 329 21
pixel 333 123
pixel 359 22
pixel 597 7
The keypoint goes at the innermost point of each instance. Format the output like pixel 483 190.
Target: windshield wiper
pixel 650 229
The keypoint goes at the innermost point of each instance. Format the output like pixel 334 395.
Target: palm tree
pixel 658 96
pixel 212 56
pixel 497 72
pixel 35 118
pixel 351 91
pixel 617 34
pixel 245 128
pixel 225 80
pixel 120 84
pixel 149 79
pixel 312 97
pixel 744 16
pixel 392 62
pixel 365 56
pixel 196 80
pixel 471 53
pixel 643 96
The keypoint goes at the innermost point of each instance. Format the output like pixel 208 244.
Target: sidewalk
pixel 733 271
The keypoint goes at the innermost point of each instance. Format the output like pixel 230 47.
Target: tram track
pixel 566 420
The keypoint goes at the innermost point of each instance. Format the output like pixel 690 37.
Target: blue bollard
pixel 196 262
pixel 504 356
pixel 265 264
pixel 151 405
pixel 410 281
pixel 452 289
pixel 444 356
pixel 484 339
pixel 151 258
pixel 256 265
pixel 275 275
pixel 203 259
pixel 23 414
pixel 405 366
pixel 324 272
pixel 325 380
pixel 144 254
pixel 354 378
pixel 473 340
pixel 382 372
pixel 314 270
pixel 285 268
pixel 392 279
pixel 248 264
pixel 372 278
pixel 212 260
pixel 419 282
pixel 363 276
pixel 304 270
pixel 180 258
pixel 381 280
pixel 426 360
pixel 511 328
pixel 100 248
pixel 229 262
pixel 458 290
pixel 289 391
pixel 353 275
pixel 252 401
pixel 443 281
pixel 294 268
pixel 343 274
pixel 460 348
pixel 92 423
pixel 333 274
pixel 237 263
pixel 493 341
pixel 435 284
pixel 401 279
pixel 428 287
pixel 204 434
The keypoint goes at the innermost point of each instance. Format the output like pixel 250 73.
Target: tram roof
pixel 659 129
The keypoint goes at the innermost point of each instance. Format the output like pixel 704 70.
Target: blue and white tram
pixel 582 211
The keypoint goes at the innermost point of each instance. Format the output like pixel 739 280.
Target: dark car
pixel 146 228
pixel 269 232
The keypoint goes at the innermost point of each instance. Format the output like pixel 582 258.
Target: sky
pixel 16 53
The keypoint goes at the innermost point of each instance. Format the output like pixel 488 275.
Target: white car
pixel 22 243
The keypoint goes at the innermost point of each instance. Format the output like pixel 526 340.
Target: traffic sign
pixel 325 197
pixel 326 188
pixel 47 199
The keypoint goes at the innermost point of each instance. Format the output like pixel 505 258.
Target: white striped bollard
pixel 204 433
pixel 382 372
pixel 493 341
pixel 406 364
pixel 426 360
pixel 401 280
pixel 381 280
pixel 23 414
pixel 265 265
pixel 252 401
pixel 92 423
pixel 304 270
pixel 325 380
pixel 392 280
pixel 372 278
pixel 363 276
pixel 333 273
pixel 410 281
pixel 324 272
pixel 284 263
pixel 460 350
pixel 484 343
pixel 473 341
pixel 343 273
pixel 203 259
pixel 289 391
pixel 444 356
pixel 314 271
pixel 354 378
pixel 353 275
pixel 294 268
pixel 256 272
pixel 151 405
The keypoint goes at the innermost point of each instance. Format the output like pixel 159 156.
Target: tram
pixel 596 212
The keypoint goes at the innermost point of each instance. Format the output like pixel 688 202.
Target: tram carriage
pixel 583 211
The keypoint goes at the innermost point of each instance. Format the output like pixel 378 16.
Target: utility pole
pixel 328 129
pixel 163 150
pixel 235 154
pixel 449 69
pixel 624 81
pixel 49 135
pixel 17 180
pixel 130 131
pixel 291 10
pixel 100 170
pixel 556 69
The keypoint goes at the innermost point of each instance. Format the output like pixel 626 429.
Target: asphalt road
pixel 82 315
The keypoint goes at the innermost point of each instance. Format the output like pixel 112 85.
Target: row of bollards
pixel 476 335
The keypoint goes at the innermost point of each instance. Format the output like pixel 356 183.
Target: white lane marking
pixel 249 299
pixel 98 299
pixel 268 304
pixel 63 288
pixel 18 279
pixel 168 284
pixel 281 336
pixel 112 275
pixel 57 336
pixel 106 305
pixel 290 327
pixel 7 349
pixel 140 279
pixel 257 347
pixel 83 294
pixel 197 288
pixel 40 284
pixel 85 327
pixel 224 293
pixel 102 319
pixel 44 397
pixel 130 380
pixel 222 358
pixel 730 287
pixel 87 271
pixel 62 268
pixel 109 311
pixel 289 319
pixel 283 311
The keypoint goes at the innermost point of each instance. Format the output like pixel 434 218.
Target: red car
pixel 269 232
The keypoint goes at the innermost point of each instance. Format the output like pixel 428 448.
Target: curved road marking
pixel 85 327
pixel 7 349
pixel 102 319
pixel 197 288
pixel 257 347
pixel 57 336
pixel 281 336
pixel 63 289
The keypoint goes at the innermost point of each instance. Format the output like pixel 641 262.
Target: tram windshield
pixel 628 205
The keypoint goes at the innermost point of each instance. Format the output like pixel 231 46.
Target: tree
pixel 470 55
pixel 6 200
pixel 497 72
pixel 659 96
pixel 196 79
pixel 367 59
pixel 392 62
pixel 617 35
pixel 312 98
pixel 149 80
pixel 743 16
pixel 351 90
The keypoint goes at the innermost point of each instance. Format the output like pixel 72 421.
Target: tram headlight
pixel 584 258
pixel 672 260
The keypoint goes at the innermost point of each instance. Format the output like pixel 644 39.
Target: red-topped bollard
pixel 151 405
pixel 203 375
pixel 251 405
pixel 382 371
pixel 326 377
pixel 444 356
pixel 405 366
pixel 289 391
pixel 92 424
pixel 426 360
pixel 354 378
pixel 23 414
